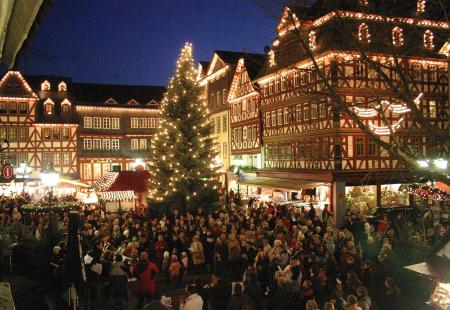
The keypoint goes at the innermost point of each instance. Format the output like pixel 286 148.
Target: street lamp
pixel 437 164
pixel 50 178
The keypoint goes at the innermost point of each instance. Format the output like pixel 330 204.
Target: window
pixel 277 84
pixel 135 144
pixel 244 105
pixel 3 107
pixel 46 160
pixel 87 144
pixel 267 119
pixel 106 144
pixel 219 98
pixel 298 112
pixel 212 102
pixel 142 123
pixel 271 87
pixel 151 123
pixel 296 77
pixel 254 132
pixel 62 86
pixel 397 36
pixel 285 115
pixel 87 122
pixel 283 82
pixel 421 6
pixel 45 86
pixel 22 158
pixel 23 133
pixel 218 125
pixel 244 133
pixel 134 122
pixel 106 123
pixel 66 159
pixel 312 40
pixel 66 134
pixel 324 149
pixel 87 171
pixel 96 144
pixel 3 133
pixel 306 113
pixel 224 96
pixel 417 71
pixel 23 108
pixel 56 133
pixel 115 122
pixel 47 133
pixel 213 125
pixel 225 150
pixel 313 111
pixel 240 134
pixel 432 74
pixel 371 149
pixel 360 69
pixel 280 116
pixel 360 146
pixel 115 145
pixel 12 134
pixel 274 117
pixel 234 136
pixel 323 109
pixel 158 121
pixel 428 39
pixel 433 109
pixel 363 33
pixel 13 108
pixel 48 107
pixel 56 159
pixel 65 108
pixel 97 122
pixel 219 151
pixel 225 123
pixel 143 144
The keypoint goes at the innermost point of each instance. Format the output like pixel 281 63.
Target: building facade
pixel 83 130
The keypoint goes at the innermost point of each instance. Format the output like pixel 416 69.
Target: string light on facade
pixel 421 6
pixel 363 33
pixel 272 61
pixel 312 40
pixel 397 36
pixel 428 39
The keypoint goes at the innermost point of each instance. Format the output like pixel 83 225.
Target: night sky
pixel 138 41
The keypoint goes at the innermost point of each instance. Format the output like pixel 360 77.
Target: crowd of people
pixel 266 256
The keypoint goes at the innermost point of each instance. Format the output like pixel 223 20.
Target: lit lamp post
pixel 50 178
pixel 238 163
pixel 24 170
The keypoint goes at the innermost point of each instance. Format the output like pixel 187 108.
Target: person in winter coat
pixel 193 300
pixel 234 255
pixel 352 303
pixel 159 247
pixel 145 270
pixel 392 296
pixel 165 265
pixel 198 254
pixel 364 301
pixel 175 270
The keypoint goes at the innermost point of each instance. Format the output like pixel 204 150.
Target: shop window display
pixel 361 198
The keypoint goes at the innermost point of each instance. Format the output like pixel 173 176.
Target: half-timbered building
pixel 308 139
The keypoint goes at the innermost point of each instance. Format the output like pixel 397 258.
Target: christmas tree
pixel 183 168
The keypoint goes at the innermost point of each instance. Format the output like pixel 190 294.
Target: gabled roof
pixel 13 84
pixel 228 58
pixel 100 93
pixel 252 65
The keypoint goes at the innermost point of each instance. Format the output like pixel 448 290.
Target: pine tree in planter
pixel 184 170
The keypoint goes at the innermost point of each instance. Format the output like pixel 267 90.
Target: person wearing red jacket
pixel 145 270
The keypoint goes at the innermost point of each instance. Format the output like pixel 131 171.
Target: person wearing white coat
pixel 193 301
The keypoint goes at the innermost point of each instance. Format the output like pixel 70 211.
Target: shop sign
pixel 7 171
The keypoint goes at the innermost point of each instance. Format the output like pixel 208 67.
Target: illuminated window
pixel 360 70
pixel 267 119
pixel 97 122
pixel 96 144
pixel 432 74
pixel 421 6
pixel 62 86
pixel 87 143
pixel 47 133
pixel 283 82
pixel 306 114
pixel 397 36
pixel 115 144
pixel 280 116
pixel 360 146
pixel 48 107
pixel 312 40
pixel 65 108
pixel 272 58
pixel 296 77
pixel 285 115
pixel 313 111
pixel 23 108
pixel 56 133
pixel 134 144
pixel 106 122
pixel 23 133
pixel 66 134
pixel 106 144
pixel 364 2
pixel 66 159
pixel 134 122
pixel 433 109
pixel 143 123
pixel 12 134
pixel 225 123
pixel 298 112
pixel 277 84
pixel 115 123
pixel 363 33
pixel 428 39
pixel 45 86
pixel 12 108
pixel 143 144
pixel 87 122
pixel 3 107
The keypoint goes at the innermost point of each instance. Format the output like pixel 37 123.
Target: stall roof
pixel 117 195
pixel 279 183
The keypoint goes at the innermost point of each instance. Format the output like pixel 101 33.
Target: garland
pixel 57 206
pixel 426 192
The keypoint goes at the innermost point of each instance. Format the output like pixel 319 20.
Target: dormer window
pixel 65 106
pixel 132 102
pixel 312 40
pixel 364 2
pixel 45 86
pixel 397 36
pixel 428 39
pixel 62 87
pixel 421 6
pixel 48 107
pixel 272 58
pixel 363 33
pixel 111 101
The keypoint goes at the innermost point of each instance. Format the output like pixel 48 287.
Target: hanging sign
pixel 7 171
